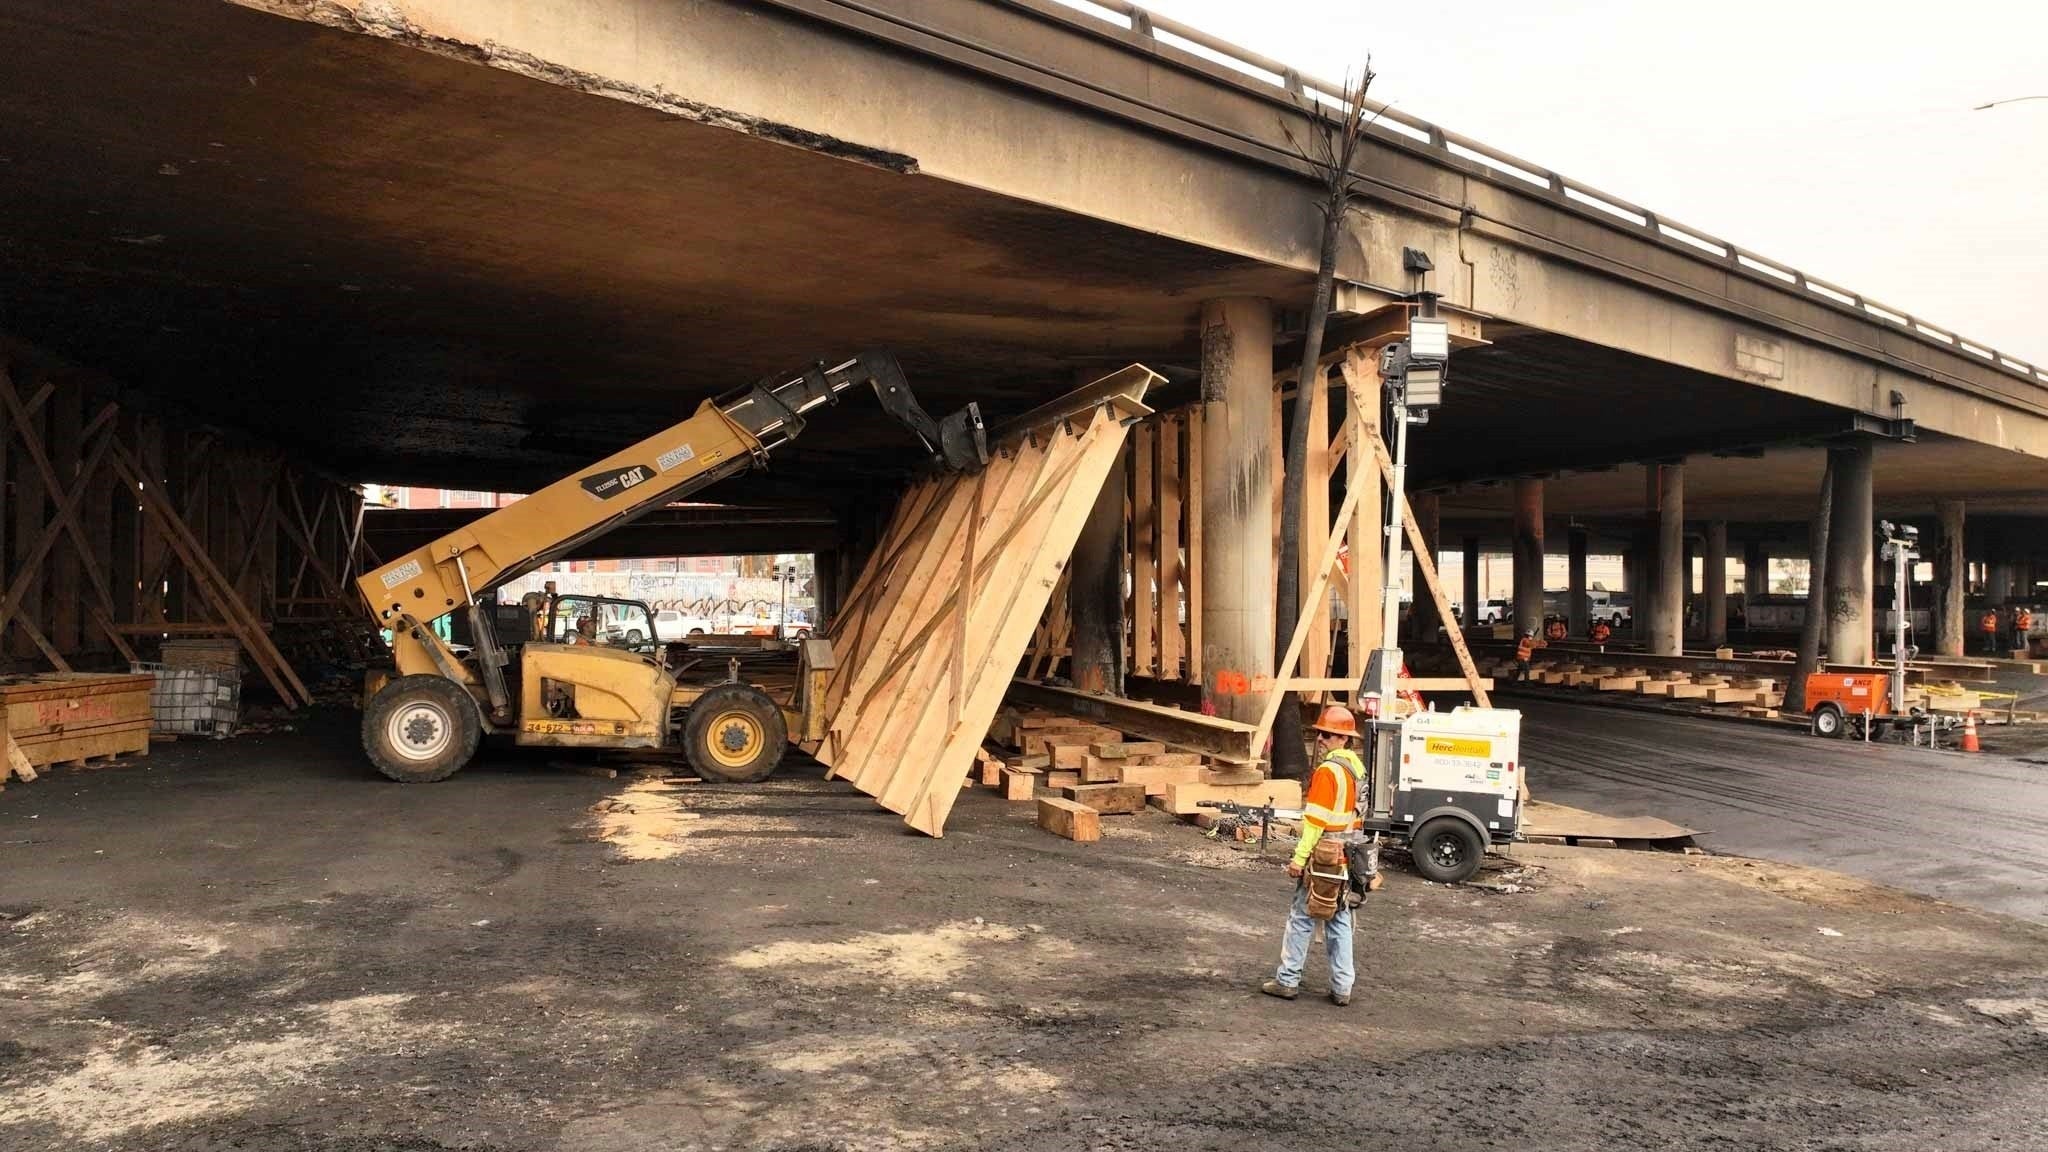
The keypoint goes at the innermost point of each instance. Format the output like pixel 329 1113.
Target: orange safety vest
pixel 2023 622
pixel 1331 803
pixel 1601 631
pixel 1989 622
pixel 1525 649
pixel 1555 630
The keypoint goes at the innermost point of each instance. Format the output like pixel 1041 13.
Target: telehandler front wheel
pixel 734 734
pixel 418 729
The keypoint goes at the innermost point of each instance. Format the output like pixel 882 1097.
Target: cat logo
pixel 605 485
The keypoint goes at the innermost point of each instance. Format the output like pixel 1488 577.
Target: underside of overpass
pixel 397 265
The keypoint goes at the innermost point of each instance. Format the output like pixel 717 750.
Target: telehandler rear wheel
pixel 734 734
pixel 419 729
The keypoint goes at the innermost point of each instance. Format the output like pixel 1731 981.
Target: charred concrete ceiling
pixel 410 268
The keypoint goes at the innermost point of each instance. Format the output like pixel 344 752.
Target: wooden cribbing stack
pixel 1118 776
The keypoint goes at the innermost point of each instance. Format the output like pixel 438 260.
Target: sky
pixel 1836 137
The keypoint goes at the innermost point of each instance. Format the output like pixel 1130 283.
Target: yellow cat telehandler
pixel 581 689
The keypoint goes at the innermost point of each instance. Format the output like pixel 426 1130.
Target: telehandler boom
pixel 425 722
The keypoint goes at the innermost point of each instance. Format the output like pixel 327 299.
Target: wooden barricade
pixel 934 630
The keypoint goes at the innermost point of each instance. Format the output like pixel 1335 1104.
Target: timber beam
pixel 1213 736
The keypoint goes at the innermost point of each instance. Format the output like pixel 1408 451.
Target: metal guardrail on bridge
pixel 1266 70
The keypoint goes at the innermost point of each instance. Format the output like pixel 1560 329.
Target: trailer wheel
pixel 734 734
pixel 1827 721
pixel 1446 850
pixel 419 729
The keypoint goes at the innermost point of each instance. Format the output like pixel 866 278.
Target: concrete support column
pixel 1529 555
pixel 1470 592
pixel 1095 591
pixel 1851 556
pixel 1238 435
pixel 1756 570
pixel 1422 616
pixel 1997 583
pixel 1667 610
pixel 1949 580
pixel 1578 609
pixel 1716 573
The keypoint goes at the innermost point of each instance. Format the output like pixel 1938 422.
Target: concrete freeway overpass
pixel 477 244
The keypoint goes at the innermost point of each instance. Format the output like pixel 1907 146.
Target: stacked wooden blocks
pixel 1078 771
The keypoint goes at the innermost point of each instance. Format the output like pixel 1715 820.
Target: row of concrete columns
pixel 1238 616
pixel 1660 579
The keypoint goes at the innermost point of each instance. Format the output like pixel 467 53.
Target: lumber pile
pixel 1114 776
pixel 73 718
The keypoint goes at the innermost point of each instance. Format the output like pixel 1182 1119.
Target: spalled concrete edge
pixel 382 19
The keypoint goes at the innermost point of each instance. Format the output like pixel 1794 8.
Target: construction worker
pixel 1988 624
pixel 1555 630
pixel 1525 651
pixel 1329 809
pixel 1600 633
pixel 2022 625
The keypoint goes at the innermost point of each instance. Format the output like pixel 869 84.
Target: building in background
pixel 736 593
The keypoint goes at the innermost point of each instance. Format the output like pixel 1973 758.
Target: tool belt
pixel 1327 877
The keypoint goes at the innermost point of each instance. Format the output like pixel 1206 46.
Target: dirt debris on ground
pixel 267 947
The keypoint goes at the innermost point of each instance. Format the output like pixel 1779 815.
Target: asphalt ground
pixel 1972 829
pixel 261 946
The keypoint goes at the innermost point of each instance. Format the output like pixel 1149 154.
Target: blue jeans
pixel 1301 928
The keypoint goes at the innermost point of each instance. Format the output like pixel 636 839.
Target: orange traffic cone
pixel 1970 733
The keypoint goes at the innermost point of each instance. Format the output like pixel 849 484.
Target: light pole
pixel 783 572
pixel 1413 373
pixel 1901 547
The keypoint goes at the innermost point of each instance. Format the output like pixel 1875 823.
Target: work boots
pixel 1276 988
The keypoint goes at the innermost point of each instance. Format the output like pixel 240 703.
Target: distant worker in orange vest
pixel 1600 632
pixel 1555 630
pixel 1989 624
pixel 1525 650
pixel 2022 623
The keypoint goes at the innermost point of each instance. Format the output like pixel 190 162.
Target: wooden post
pixel 1314 408
pixel 1145 565
pixel 1362 388
pixel 1166 478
